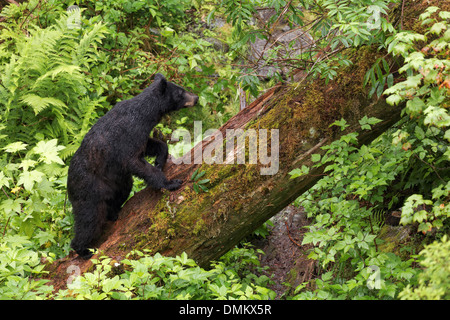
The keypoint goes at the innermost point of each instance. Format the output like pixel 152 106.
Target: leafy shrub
pixel 34 190
pixel 357 183
pixel 156 277
pixel 18 264
pixel 427 136
pixel 433 282
pixel 344 234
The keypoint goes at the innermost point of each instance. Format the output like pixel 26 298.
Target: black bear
pixel 100 172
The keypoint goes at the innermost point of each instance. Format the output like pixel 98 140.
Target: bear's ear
pixel 160 82
pixel 158 76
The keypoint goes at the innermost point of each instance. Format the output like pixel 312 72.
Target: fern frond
pixel 69 69
pixel 88 44
pixel 378 217
pixel 38 103
pixel 7 77
pixel 68 151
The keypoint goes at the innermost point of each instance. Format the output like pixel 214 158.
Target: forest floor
pixel 285 258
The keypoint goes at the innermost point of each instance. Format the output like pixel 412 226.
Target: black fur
pixel 101 170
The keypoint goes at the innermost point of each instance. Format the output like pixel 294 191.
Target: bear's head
pixel 174 97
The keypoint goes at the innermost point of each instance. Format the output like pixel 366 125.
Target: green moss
pixel 394 238
pixel 140 240
pixel 199 227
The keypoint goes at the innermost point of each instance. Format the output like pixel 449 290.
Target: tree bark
pixel 205 225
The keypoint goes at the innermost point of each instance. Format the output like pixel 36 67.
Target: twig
pixel 289 235
pixel 401 17
pixel 126 49
pixel 65 202
pixel 6 224
pixel 5 192
pixel 30 14
pixel 279 17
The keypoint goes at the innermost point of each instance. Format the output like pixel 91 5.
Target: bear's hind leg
pixel 120 196
pixel 89 221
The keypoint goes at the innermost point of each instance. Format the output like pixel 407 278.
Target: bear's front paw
pixel 174 184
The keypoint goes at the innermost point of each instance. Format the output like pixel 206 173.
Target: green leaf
pixel 394 99
pixel 413 81
pixel 438 27
pixel 415 106
pixel 27 163
pixel 420 216
pixel 53 73
pixel 28 178
pixel 4 181
pixel 385 65
pixel 365 122
pixel 390 80
pixel 444 15
pixel 15 147
pixel 44 237
pixel 295 173
pixel 340 123
pixel 327 276
pixel 437 116
pixel 419 133
pixel 11 205
pixel 196 188
pixel 315 157
pixel 201 174
pixel 305 169
pixel 48 151
pixel 183 258
pixel 447 135
pixel 194 174
pixel 203 181
pixel 424 227
pixel 428 12
pixel 167 32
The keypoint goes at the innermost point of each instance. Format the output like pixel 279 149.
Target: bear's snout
pixel 191 99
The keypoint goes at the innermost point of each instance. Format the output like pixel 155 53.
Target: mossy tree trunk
pixel 205 225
